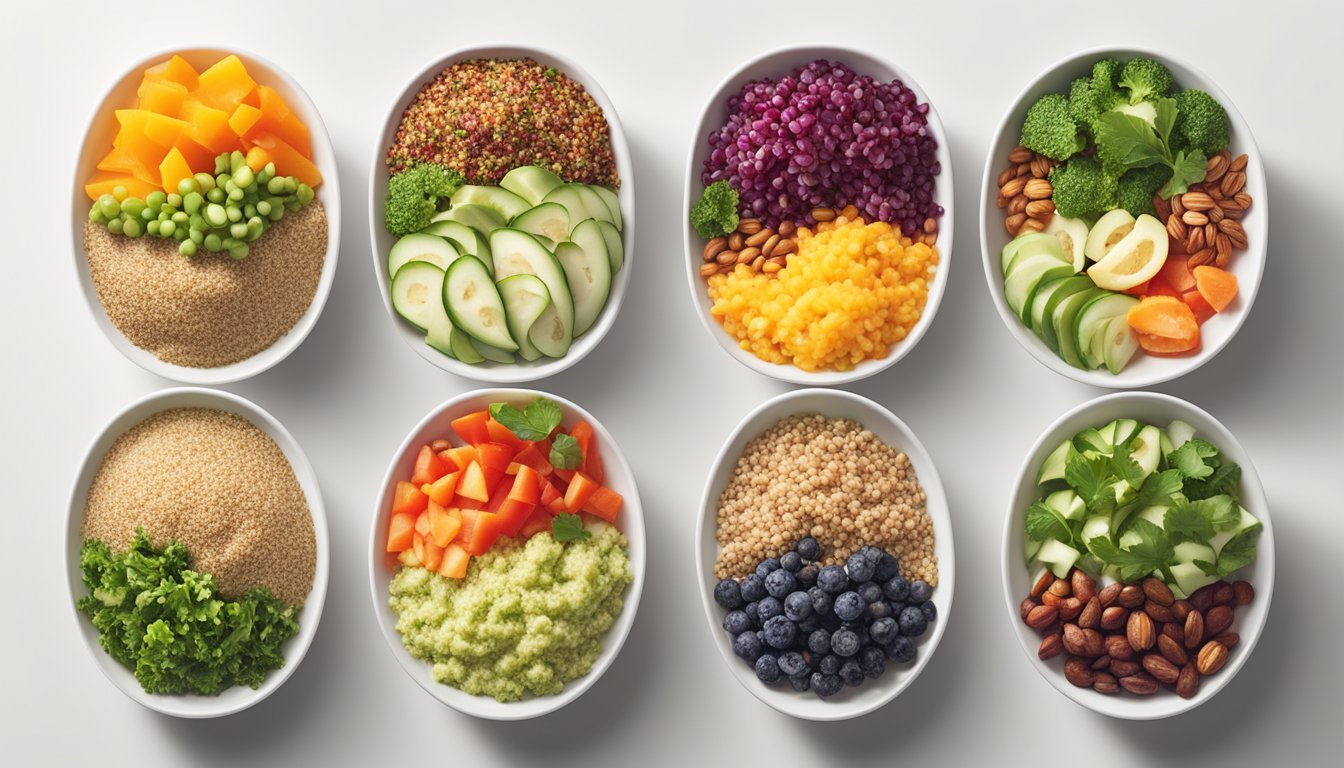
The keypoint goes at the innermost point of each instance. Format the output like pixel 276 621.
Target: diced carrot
pixel 605 503
pixel 422 523
pixel 418 546
pixel 502 434
pixel 1164 316
pixel 175 69
pixel 461 456
pixel 538 521
pixel 428 466
pixel 513 513
pixel 532 455
pixel 462 502
pixel 483 534
pixel 455 561
pixel 494 458
pixel 244 119
pixel 408 558
pixel 1199 305
pixel 443 524
pixel 498 496
pixel 1175 272
pixel 551 497
pixel 1217 286
pixel 433 554
pixel 468 518
pixel 473 484
pixel 288 161
pixel 442 490
pixel 580 490
pixel 282 121
pixel 408 499
pixel 592 457
pixel 1158 286
pixel 400 531
pixel 1139 290
pixel 471 428
pixel 1158 345
pixel 526 485
pixel 257 158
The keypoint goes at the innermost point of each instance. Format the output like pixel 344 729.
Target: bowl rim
pixel 484 707
pixel 120 678
pixel 516 372
pixel 860 59
pixel 1253 498
pixel 940 515
pixel 1181 365
pixel 329 194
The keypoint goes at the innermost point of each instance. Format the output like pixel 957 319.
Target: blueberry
pixel 832 578
pixel 912 621
pixel 884 630
pixel 807 575
pixel 896 607
pixel 851 673
pixel 825 685
pixel 808 548
pixel 768 609
pixel 792 664
pixel 829 664
pixel 728 593
pixel 887 567
pixel 819 642
pixel 780 583
pixel 859 628
pixel 767 669
pixel 830 622
pixel 848 606
pixel 872 661
pixel 791 561
pixel 877 610
pixel 801 683
pixel 753 588
pixel 920 591
pixel 859 568
pixel 752 610
pixel 872 554
pixel 870 591
pixel 808 626
pixel 929 609
pixel 798 606
pixel 767 565
pixel 748 646
pixel 901 650
pixel 780 632
pixel 821 600
pixel 736 622
pixel 896 588
pixel 845 642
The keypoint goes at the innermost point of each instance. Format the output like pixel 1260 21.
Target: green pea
pixel 263 208
pixel 215 195
pixel 205 182
pixel 216 215
pixel 235 213
pixel 119 192
pixel 114 226
pixel 180 234
pixel 196 235
pixel 187 186
pixel 197 221
pixel 277 212
pixel 181 218
pixel 276 186
pixel 164 214
pixel 153 227
pixel 264 178
pixel 96 214
pixel 132 228
pixel 238 252
pixel 213 243
pixel 132 206
pixel 155 199
pixel 238 231
pixel 187 248
pixel 175 200
pixel 243 177
pixel 305 194
pixel 236 195
pixel 249 211
pixel 150 214
pixel 191 201
pixel 167 228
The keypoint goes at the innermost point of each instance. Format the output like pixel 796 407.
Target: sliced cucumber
pixel 1044 325
pixel 530 182
pixel 1026 246
pixel 1025 275
pixel 1053 466
pixel 464 238
pixel 1146 449
pixel 1118 344
pixel 1090 326
pixel 525 299
pixel 1092 440
pixel 588 272
pixel 416 290
pixel 1155 514
pixel 1059 556
pixel 550 334
pixel 478 217
pixel 1067 503
pixel 1072 236
pixel 1065 314
pixel 1030 547
pixel 492 353
pixel 612 202
pixel 1190 551
pixel 615 246
pixel 549 220
pixel 462 347
pixel 518 253
pixel 581 202
pixel 1180 433
pixel 474 305
pixel 1190 577
pixel 1123 430
pixel 1039 300
pixel 1096 526
pixel 497 199
pixel 440 335
pixel 418 246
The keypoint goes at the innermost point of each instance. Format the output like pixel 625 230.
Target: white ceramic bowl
pixel 1150 408
pixel 237 698
pixel 850 702
pixel 1248 265
pixel 619 478
pixel 776 64
pixel 520 371
pixel 97 142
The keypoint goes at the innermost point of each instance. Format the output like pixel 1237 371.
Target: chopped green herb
pixel 565 453
pixel 535 422
pixel 565 527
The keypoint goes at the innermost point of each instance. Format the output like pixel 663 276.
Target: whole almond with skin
pixel 1070 608
pixel 1050 598
pixel 1173 630
pixel 726 257
pixel 1223 593
pixel 1235 233
pixel 1162 670
pixel 1125 668
pixel 1042 616
pixel 1202 599
pixel 1114 617
pixel 715 246
pixel 1200 258
pixel 736 241
pixel 1179 609
pixel 1014 223
pixel 1194 219
pixel 1194 629
pixel 1039 189
pixel 768 249
pixel 1108 594
pixel 709 269
pixel 1243 199
pixel 758 239
pixel 1157 591
pixel 1020 154
pixel 1038 208
pixel 1023 170
pixel 1177 207
pixel 1026 607
pixel 1232 183
pixel 1228 639
pixel 1222 249
pixel 1217 620
pixel 1196 201
pixel 1101 662
pixel 1158 613
pixel 1187 685
pixel 1061 587
pixel 1176 229
pixel 1008 175
pixel 1013 188
pixel 1216 214
pixel 1078 671
pixel 1131 596
pixel 1118 648
pixel 784 248
pixel 1194 240
pixel 1140 632
pixel 1051 646
pixel 1172 651
pixel 1094 643
pixel 1211 658
pixel 1139 684
pixel 749 226
pixel 1091 614
pixel 1239 163
pixel 1074 641
pixel 1243 593
pixel 1105 682
pixel 1217 167
pixel 1084 588
pixel 1032 225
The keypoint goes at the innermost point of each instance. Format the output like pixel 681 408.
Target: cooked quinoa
pixel 218 484
pixel 209 311
pixel 831 479
pixel 485 117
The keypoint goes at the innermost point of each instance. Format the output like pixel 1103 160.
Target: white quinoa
pixel 219 485
pixel 208 311
pixel 830 479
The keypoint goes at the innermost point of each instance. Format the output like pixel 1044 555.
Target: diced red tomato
pixel 400 532
pixel 472 427
pixel 580 490
pixel 442 490
pixel 422 524
pixel 592 458
pixel 461 456
pixel 473 484
pixel 428 467
pixel 605 503
pixel 538 521
pixel 532 455
pixel 433 554
pixel 443 524
pixel 484 532
pixel 498 433
pixel 455 561
pixel 408 499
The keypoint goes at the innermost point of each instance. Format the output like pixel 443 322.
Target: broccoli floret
pixel 1105 73
pixel 1050 129
pixel 413 196
pixel 1201 121
pixel 1145 80
pixel 715 213
pixel 1134 190
pixel 1081 188
pixel 1083 105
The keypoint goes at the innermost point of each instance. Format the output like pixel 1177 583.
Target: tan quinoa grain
pixel 215 482
pixel 209 310
pixel 830 479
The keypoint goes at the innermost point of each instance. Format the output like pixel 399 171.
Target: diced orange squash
pixel 162 96
pixel 1217 286
pixel 433 556
pixel 428 466
pixel 198 158
pixel 592 458
pixel 473 485
pixel 131 138
pixel 498 496
pixel 462 502
pixel 538 521
pixel 468 518
pixel 1199 305
pixel 532 455
pixel 288 161
pixel 244 119
pixel 580 490
pixel 526 485
pixel 103 183
pixel 454 562
pixel 422 523
pixel 282 121
pixel 1164 316
pixel 418 546
pixel 400 531
pixel 173 169
pixel 408 499
pixel 472 427
pixel 443 524
pixel 483 534
pixel 408 558
pixel 441 491
pixel 225 84
pixel 604 503
pixel 498 433
pixel 462 456
pixel 162 129
pixel 512 515
pixel 494 458
pixel 1159 345
pixel 175 69
pixel 257 158
pixel 209 127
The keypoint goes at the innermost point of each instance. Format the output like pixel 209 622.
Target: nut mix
pixel 1132 649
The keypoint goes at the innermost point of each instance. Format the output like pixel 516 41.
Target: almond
pixel 1202 599
pixel 1176 228
pixel 714 247
pixel 1038 208
pixel 1118 648
pixel 760 236
pixel 1139 684
pixel 726 257
pixel 749 227
pixel 1173 630
pixel 1026 607
pixel 1194 219
pixel 736 241
pixel 1101 662
pixel 1139 631
pixel 1114 617
pixel 1032 225
pixel 709 269
pixel 1050 598
pixel 1074 642
pixel 748 255
pixel 1201 258
pixel 828 214
pixel 1196 201
pixel 1217 620
pixel 1070 608
pixel 1232 183
pixel 1013 188
pixel 1171 650
pixel 1194 629
pixel 1218 165
pixel 785 247
pixel 1020 154
pixel 1239 164
pixel 1014 223
pixel 1042 616
pixel 1180 608
pixel 1109 594
pixel 1008 175
pixel 1158 591
pixel 1051 646
pixel 1105 682
pixel 1094 643
pixel 1131 596
pixel 1234 231
pixel 1244 200
pixel 768 249
pixel 1162 670
pixel 1061 587
pixel 1242 593
pixel 1228 639
pixel 1160 614
pixel 1222 249
pixel 1084 588
pixel 1038 189
pixel 1211 658
pixel 1078 671
pixel 1091 614
pixel 1163 207
pixel 1125 668
pixel 1187 685
pixel 1177 207
pixel 1194 240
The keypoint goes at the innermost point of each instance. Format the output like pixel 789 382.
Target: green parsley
pixel 1125 142
pixel 1045 523
pixel 566 527
pixel 535 422
pixel 565 453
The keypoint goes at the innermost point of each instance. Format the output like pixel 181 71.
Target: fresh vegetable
pixel 569 527
pixel 1146 80
pixel 1218 287
pixel 1082 188
pixel 414 196
pixel 715 213
pixel 1164 316
pixel 1136 188
pixel 1051 129
pixel 168 625
pixel 1125 141
pixel 1201 121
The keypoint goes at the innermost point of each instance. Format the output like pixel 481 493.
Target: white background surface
pixel 670 396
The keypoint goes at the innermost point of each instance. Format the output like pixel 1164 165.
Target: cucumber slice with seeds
pixel 418 246
pixel 530 182
pixel 497 199
pixel 416 290
pixel 612 202
pixel 473 303
pixel 615 246
pixel 588 272
pixel 518 253
pixel 525 299
pixel 549 220
pixel 478 217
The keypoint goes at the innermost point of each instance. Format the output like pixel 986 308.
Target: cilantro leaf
pixel 1158 488
pixel 1088 477
pixel 1189 458
pixel 1208 568
pixel 1151 553
pixel 1166 118
pixel 1129 141
pixel 1221 511
pixel 1045 523
pixel 1185 522
pixel 1104 549
pixel 1126 468
pixel 1185 170
pixel 1223 482
pixel 566 527
pixel 535 422
pixel 565 453
pixel 1238 552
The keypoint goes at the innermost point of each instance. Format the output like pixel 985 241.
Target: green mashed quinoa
pixel 527 619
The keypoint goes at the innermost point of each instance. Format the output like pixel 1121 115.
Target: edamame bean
pixel 304 194
pixel 221 164
pixel 114 225
pixel 263 208
pixel 236 161
pixel 243 177
pixel 150 214
pixel 180 218
pixel 196 235
pixel 175 200
pixel 187 248
pixel 205 181
pixel 132 206
pixel 167 228
pixel 180 234
pixel 110 207
pixel 152 227
pixel 155 199
pixel 197 221
pixel 96 214
pixel 249 211
pixel 187 186
pixel 238 252
pixel 276 186
pixel 215 195
pixel 255 228
pixel 192 202
pixel 239 230
pixel 215 215
pixel 131 228
pixel 234 213
pixel 213 243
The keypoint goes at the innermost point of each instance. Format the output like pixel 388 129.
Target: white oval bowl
pixel 1248 265
pixel 776 64
pixel 839 404
pixel 619 477
pixel 520 371
pixel 97 141
pixel 237 698
pixel 1150 408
